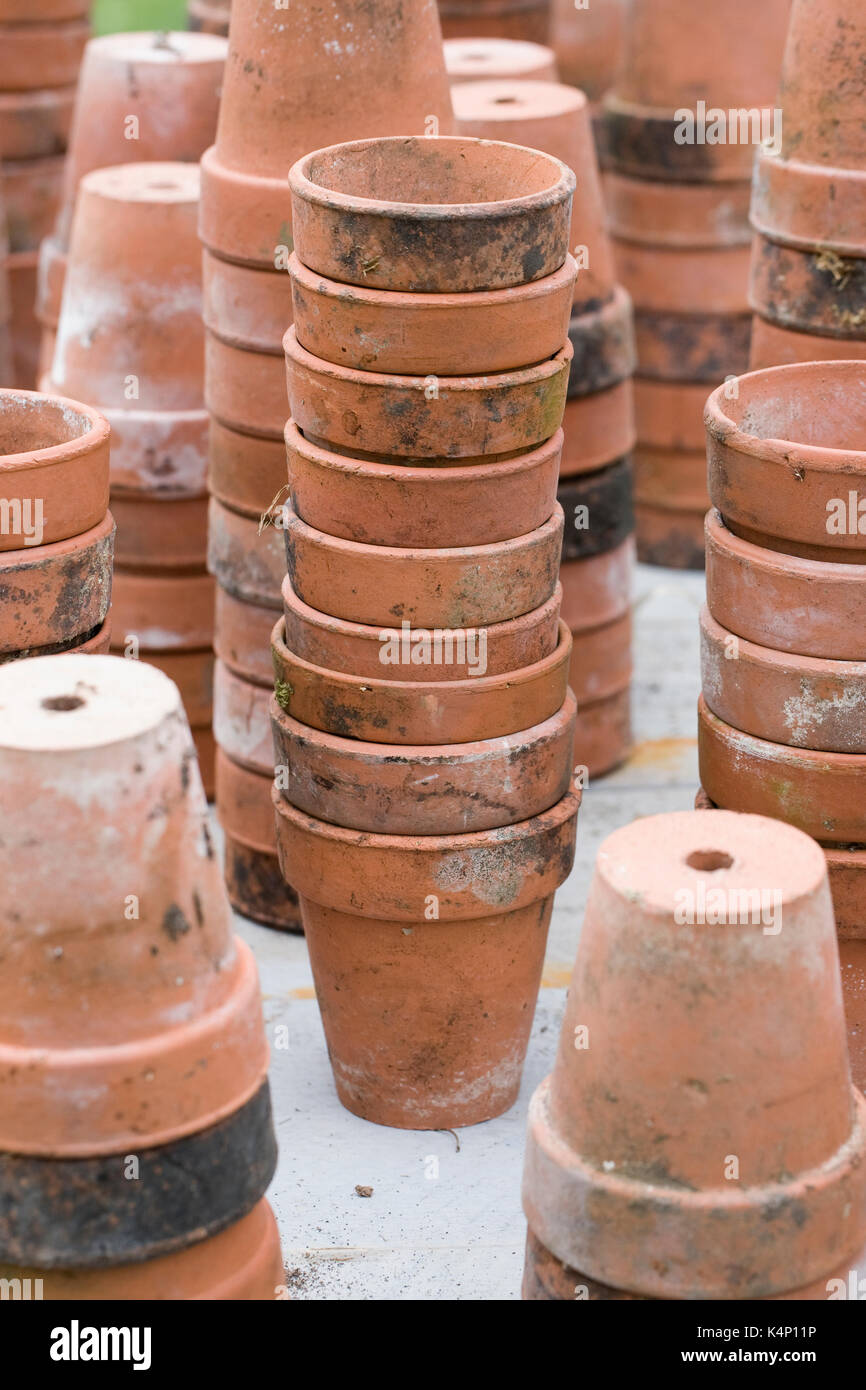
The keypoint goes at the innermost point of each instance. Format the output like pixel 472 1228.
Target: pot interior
pixel 31 423
pixel 822 406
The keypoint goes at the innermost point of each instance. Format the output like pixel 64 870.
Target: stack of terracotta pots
pixel 588 40
pixel 479 60
pixel 506 19
pixel 56 534
pixel 386 62
pixel 210 16
pixel 143 97
pixel 678 206
pixel 422 723
pixel 41 43
pixel 782 731
pixel 808 285
pixel 130 339
pixel 596 486
pixel 659 1154
pixel 136 1138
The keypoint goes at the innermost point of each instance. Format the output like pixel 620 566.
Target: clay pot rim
pixel 787 565
pixel 480 685
pixel 37 555
pixel 357 379
pixel 95 437
pixel 769 752
pixel 196 415
pixel 791 662
pixel 304 187
pixel 74 25
pixel 726 431
pixel 199 41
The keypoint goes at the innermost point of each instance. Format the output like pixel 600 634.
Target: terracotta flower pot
pixel 554 118
pixel 363 213
pixel 428 588
pixel 41 11
pixel 245 305
pixel 588 43
pixel 670 415
pixel 670 493
pixel 794 435
pixel 53 465
pixel 245 390
pixel 603 737
pixel 163 612
pixel 160 533
pixel 58 594
pixel 41 55
pixel 254 880
pixel 31 194
pixel 242 637
pixel 599 514
pixel 246 559
pixel 21 269
pixel 598 590
pixel 209 16
pixel 431 334
pixel 810 607
pixel 692 347
pixel 603 345
pixel 35 125
pixel 159 453
pixel 395 926
pixel 598 429
pixel 596 608
pixel 590 1190
pixel 242 722
pixel 193 674
pixel 278 103
pixel 657 214
pixel 808 291
pixel 528 20
pixel 245 473
pixel 423 417
pixel 679 281
pixel 416 712
pixel 477 59
pixel 773 346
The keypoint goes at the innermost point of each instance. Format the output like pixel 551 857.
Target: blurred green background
pixel 109 16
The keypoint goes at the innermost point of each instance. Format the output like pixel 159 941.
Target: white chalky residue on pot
pixel 808 711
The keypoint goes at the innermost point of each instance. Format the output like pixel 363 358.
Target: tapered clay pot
pixel 162 612
pixel 254 880
pixel 160 533
pixel 423 417
pixel 137 995
pixel 423 334
pixel 616 1113
pixel 427 588
pixel 554 118
pixel 588 43
pixel 247 558
pixel 415 712
pixel 670 415
pixel 815 292
pixel 496 59
pixel 56 595
pixel 526 20
pixel 395 926
pixel 794 435
pixel 246 306
pixel 41 55
pixel 657 214
pixel 431 215
pixel 694 347
pixel 209 16
pixel 244 472
pixel 597 590
pixel 35 124
pixel 291 87
pixel 54 461
pixel 31 193
pixel 602 344
pixel 599 514
pixel 245 391
pixel 242 637
pixel 773 346
pixel 597 429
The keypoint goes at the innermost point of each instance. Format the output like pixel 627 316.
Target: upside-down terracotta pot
pixel 245 556
pixel 513 19
pixel 56 595
pixel 681 215
pixel 159 532
pixel 598 429
pixel 670 492
pixel 162 612
pixel 36 124
pixel 54 462
pixel 588 43
pixel 292 87
pixel 421 417
pixel 616 1113
pixel 253 877
pixel 31 193
pixel 786 462
pixel 431 334
pixel 41 55
pixel 420 712
pixel 445 215
pixel 487 58
pixel 705 347
pixel 428 588
pixel 245 391
pixel 433 507
pixel 242 637
pixel 427 954
pixel 244 472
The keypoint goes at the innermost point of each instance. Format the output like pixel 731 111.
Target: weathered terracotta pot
pixel 160 533
pixel 590 1190
pixel 415 712
pixel 809 607
pixel 603 737
pixel 431 215
pixel 246 559
pixel 477 59
pixel 245 305
pixel 424 334
pixel 598 429
pixel 160 453
pixel 163 1041
pixel 242 637
pixel 41 55
pixel 410 654
pixel 240 1264
pixel 441 506
pixel 526 20
pixel 677 215
pixel 245 390
pixel 821 793
pixel 794 435
pixel 23 324
pixel 773 346
pixel 451 789
pixel 36 124
pixel 53 464
pixel 41 11
pixel 812 292
pixel 588 43
pixel 551 117
pixel 56 594
pixel 422 417
pixel 193 674
pixel 242 722
pixel 163 612
pixel 31 193
pixel 245 473
pixel 692 347
pixel 427 588
pixel 290 88
pixel 598 590
pixel 603 346
pixel 596 608
pixel 670 493
pixel 254 880
pixel 209 16
pixel 670 414
pixel 679 281
pixel 600 660
pixel 419 916
pixel 599 514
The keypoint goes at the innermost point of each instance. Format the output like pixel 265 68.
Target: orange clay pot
pixel 821 793
pixel 591 1190
pixel 162 612
pixel 155 1017
pixel 602 342
pixel 794 435
pixel 431 215
pixel 246 306
pixel 773 346
pixel 35 125
pixel 598 429
pixel 482 59
pixel 596 604
pixel 245 473
pixel 554 118
pixel 132 300
pixel 447 790
pixel 686 279
pixel 240 1264
pixel 598 590
pixel 41 11
pixel 41 55
pixel 205 750
pixel 813 292
pixel 425 417
pixel 677 215
pixel 670 415
pixel 669 536
pixel 416 712
pixel 588 43
pixel 245 391
pixel 242 637
pixel 31 194
pixel 193 674
pixel 23 324
pixel 397 927
pixel 57 594
pixel 427 588
pixel 159 453
pixel 248 561
pixel 254 880
pixel 54 458
pixel 242 723
pixel 160 533
pixel 400 652
pixel 290 88
pixel 809 607
pixel 209 16
pixel 603 737
pixel 423 334
pixel 600 660
pixel 702 347
pixel 397 505
pixel 525 20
